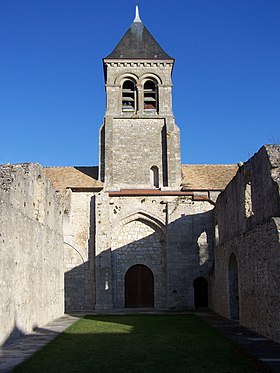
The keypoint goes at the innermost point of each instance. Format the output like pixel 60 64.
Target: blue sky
pixel 226 95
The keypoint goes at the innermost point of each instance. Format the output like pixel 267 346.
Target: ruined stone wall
pixel 31 251
pixel 258 257
pixel 247 216
pixel 252 196
pixel 79 230
pixel 173 236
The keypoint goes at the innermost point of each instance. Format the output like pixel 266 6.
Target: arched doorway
pixel 139 287
pixel 233 288
pixel 200 286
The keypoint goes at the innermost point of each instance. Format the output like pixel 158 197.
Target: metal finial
pixel 137 16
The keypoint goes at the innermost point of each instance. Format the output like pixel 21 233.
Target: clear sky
pixel 226 94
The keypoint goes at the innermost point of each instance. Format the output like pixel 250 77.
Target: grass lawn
pixel 140 343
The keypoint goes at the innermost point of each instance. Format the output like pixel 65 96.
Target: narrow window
pixel 128 96
pixel 248 196
pixel 217 238
pixel 150 96
pixel 154 176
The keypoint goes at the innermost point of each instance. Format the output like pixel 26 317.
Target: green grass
pixel 140 343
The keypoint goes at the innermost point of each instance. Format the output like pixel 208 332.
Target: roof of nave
pixel 207 176
pixel 73 177
pixel 194 177
pixel 138 43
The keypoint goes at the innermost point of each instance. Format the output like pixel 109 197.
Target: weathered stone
pixel 31 247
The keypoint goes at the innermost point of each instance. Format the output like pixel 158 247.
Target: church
pixel 141 230
pixel 152 226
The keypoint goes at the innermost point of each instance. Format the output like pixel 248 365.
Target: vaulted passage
pixel 139 287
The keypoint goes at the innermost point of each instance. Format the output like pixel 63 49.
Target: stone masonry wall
pixel 31 251
pixel 132 142
pixel 258 257
pixel 252 196
pixel 173 236
pixel 138 242
pixel 79 230
pixel 247 217
pixel 138 71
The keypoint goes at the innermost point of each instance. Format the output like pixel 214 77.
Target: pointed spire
pixel 138 43
pixel 137 16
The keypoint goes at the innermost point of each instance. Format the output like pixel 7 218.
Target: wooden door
pixel 139 287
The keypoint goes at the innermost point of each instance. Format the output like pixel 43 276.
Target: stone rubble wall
pixel 247 225
pixel 79 230
pixel 264 170
pixel 258 257
pixel 31 247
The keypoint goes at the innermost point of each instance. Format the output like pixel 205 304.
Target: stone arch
pixel 233 286
pixel 139 287
pixel 149 76
pixel 139 239
pixel 129 95
pixel 144 216
pixel 200 286
pixel 121 78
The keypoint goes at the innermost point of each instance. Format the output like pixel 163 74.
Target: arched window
pixel 128 96
pixel 154 174
pixel 150 96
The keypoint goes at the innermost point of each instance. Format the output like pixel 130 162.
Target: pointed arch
pixel 145 218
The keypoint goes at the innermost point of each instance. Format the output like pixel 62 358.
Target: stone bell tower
pixel 139 140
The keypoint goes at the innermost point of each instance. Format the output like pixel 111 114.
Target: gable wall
pixel 176 245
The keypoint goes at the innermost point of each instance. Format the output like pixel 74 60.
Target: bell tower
pixel 139 140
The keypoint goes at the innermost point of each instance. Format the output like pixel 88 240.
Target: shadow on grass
pixel 140 343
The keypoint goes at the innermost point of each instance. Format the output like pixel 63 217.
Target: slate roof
pixel 73 177
pixel 207 176
pixel 138 43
